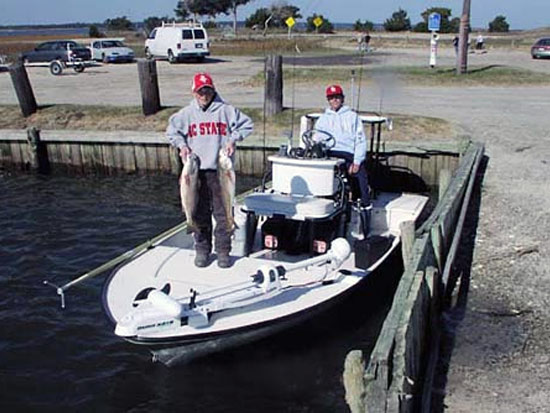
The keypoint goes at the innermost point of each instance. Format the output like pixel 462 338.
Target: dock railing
pixel 398 376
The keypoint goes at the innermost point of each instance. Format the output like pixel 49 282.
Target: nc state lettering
pixel 207 128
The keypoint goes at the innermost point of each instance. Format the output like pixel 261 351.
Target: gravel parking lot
pixel 500 361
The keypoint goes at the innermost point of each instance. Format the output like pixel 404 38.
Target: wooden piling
pixel 407 241
pixel 273 85
pixel 23 89
pixel 444 180
pixel 354 384
pixel 37 152
pixel 148 82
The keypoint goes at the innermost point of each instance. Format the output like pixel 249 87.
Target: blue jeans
pixel 359 179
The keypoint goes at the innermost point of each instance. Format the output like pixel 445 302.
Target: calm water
pixel 56 228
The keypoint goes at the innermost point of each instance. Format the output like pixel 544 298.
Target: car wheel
pixel 78 68
pixel 148 54
pixel 171 57
pixel 55 68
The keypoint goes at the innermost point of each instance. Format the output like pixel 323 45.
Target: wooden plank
pixel 127 155
pixel 151 158
pixel 433 281
pixel 116 155
pixel 87 155
pixel 140 154
pixel 108 157
pixel 76 158
pixel 6 158
pixel 17 158
pixel 378 376
pixel 175 160
pixel 163 156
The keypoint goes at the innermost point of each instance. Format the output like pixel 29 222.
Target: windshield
pixel 113 43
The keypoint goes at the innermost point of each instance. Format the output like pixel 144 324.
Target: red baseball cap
pixel 334 90
pixel 201 80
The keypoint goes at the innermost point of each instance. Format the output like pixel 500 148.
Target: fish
pixel 226 175
pixel 189 189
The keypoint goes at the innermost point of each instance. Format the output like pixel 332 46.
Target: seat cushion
pixel 291 206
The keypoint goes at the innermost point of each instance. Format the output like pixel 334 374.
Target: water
pixel 58 227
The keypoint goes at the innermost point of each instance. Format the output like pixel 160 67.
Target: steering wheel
pixel 315 138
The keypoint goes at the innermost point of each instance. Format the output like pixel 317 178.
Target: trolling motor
pixel 160 311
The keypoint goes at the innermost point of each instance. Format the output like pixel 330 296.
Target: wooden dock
pixel 130 152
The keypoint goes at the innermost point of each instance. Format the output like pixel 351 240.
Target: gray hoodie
pixel 205 132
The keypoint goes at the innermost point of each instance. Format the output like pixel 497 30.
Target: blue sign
pixel 434 22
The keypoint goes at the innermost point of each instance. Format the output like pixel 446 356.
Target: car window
pixel 45 46
pixel 186 34
pixel 96 45
pixel 545 42
pixel 152 34
pixel 199 34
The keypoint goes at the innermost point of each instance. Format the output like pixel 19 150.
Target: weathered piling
pixel 23 89
pixel 148 82
pixel 273 85
pixel 37 152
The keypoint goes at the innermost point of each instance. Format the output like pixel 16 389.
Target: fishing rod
pixel 153 242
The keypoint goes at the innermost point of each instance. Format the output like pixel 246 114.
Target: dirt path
pixel 500 362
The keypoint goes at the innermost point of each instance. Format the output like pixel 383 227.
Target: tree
pixel 278 13
pixel 499 24
pixel 119 23
pixel 398 22
pixel 182 11
pixel 232 7
pixel 362 27
pixel 258 18
pixel 151 22
pixel 325 27
pixel 94 32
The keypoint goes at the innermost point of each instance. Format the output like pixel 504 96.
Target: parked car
pixel 62 50
pixel 177 42
pixel 111 51
pixel 541 48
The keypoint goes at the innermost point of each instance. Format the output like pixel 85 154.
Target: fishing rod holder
pixel 60 291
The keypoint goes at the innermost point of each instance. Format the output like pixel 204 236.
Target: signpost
pixel 434 24
pixel 317 21
pixel 290 22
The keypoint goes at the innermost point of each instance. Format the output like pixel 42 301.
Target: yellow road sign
pixel 290 22
pixel 317 21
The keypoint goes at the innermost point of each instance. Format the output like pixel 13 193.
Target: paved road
pixel 500 362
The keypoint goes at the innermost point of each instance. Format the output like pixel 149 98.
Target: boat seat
pixel 290 206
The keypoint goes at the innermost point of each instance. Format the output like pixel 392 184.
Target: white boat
pixel 297 251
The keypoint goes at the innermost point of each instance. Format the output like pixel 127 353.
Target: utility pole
pixel 462 61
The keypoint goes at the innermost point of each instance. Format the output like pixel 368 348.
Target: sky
pixel 520 14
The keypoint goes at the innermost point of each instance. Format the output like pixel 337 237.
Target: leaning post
pixel 273 85
pixel 148 82
pixel 23 89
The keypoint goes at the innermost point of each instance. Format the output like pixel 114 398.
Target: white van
pixel 178 41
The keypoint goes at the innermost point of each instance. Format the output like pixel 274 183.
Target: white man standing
pixel 203 127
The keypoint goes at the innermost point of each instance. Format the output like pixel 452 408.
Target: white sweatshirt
pixel 347 129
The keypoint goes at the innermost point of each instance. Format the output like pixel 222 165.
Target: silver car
pixel 111 51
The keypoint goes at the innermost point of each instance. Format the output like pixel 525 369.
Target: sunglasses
pixel 331 97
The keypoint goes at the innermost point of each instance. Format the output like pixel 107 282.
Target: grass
pixel 277 128
pixel 492 75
